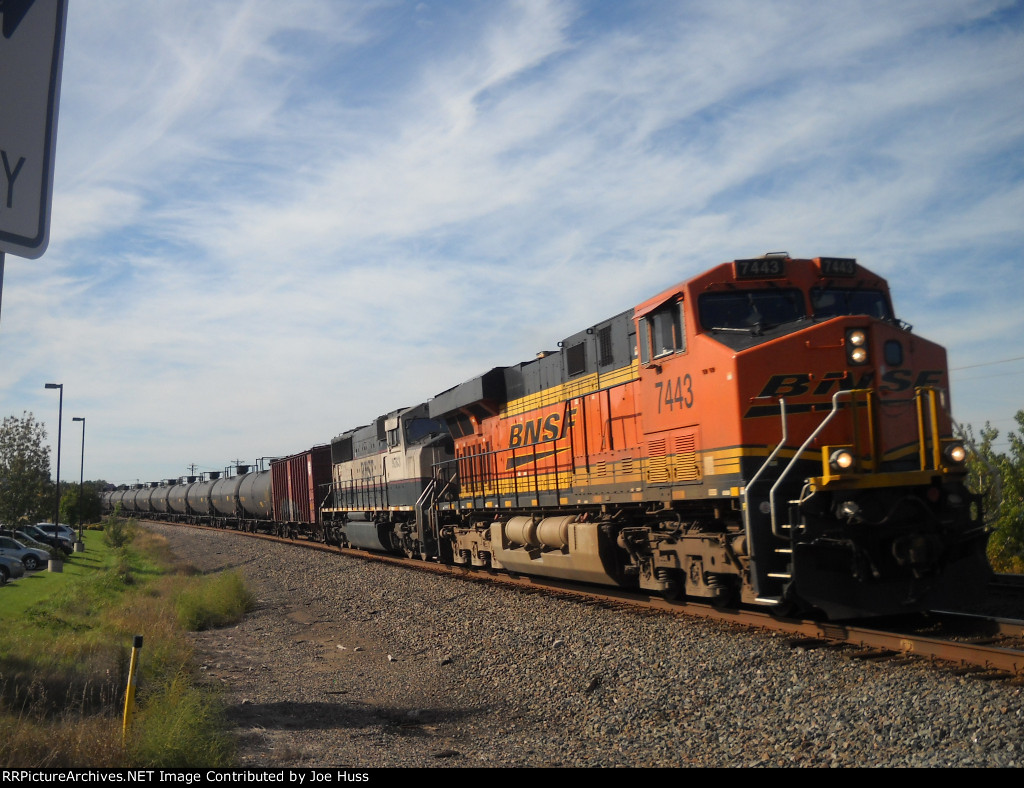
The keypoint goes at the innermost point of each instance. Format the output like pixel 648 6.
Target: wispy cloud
pixel 274 223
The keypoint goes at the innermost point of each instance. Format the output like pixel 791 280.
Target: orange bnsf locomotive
pixel 767 433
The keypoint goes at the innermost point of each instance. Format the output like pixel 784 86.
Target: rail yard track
pixel 980 646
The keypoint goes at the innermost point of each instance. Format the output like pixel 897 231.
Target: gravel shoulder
pixel 351 664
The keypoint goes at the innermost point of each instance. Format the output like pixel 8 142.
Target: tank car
pixel 177 498
pixel 767 432
pixel 160 504
pixel 198 503
pixel 284 499
pixel 128 499
pixel 237 500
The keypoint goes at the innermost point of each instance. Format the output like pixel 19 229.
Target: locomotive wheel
pixel 729 600
pixel 675 589
pixel 788 608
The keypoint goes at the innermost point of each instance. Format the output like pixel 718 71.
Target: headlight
pixel 848 510
pixel 841 460
pixel 955 453
pixel 857 346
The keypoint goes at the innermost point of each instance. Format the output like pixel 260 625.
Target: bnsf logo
pixel 794 385
pixel 539 430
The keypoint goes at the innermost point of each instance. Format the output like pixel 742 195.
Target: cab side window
pixel 661 332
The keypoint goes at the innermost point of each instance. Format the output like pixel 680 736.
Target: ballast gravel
pixel 352 664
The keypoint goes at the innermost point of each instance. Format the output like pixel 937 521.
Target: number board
pixel 838 266
pixel 761 268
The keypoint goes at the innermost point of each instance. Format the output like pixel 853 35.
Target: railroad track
pixel 1006 583
pixel 982 647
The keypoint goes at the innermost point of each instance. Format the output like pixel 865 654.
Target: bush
pixel 217 601
pixel 181 725
pixel 118 532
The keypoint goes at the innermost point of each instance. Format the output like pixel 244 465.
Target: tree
pixel 88 506
pixel 999 477
pixel 26 492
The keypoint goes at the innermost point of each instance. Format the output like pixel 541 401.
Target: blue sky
pixel 275 221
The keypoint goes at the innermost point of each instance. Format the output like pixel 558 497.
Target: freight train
pixel 767 433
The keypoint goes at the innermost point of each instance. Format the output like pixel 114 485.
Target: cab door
pixel 667 395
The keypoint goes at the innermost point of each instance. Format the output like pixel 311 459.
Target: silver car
pixel 29 556
pixel 63 530
pixel 10 569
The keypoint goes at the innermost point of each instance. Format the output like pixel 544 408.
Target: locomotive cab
pixel 864 507
pixel 380 478
pixel 804 432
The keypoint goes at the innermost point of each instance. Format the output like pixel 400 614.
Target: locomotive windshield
pixel 835 301
pixel 755 311
pixel 750 310
pixel 417 429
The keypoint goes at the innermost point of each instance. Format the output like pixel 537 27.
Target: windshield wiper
pixel 753 330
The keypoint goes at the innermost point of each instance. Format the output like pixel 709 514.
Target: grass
pixel 66 649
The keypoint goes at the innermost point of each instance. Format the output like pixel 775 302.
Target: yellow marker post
pixel 129 698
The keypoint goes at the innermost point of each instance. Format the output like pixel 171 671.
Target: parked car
pixel 36 534
pixel 10 569
pixel 26 539
pixel 35 540
pixel 31 557
pixel 64 531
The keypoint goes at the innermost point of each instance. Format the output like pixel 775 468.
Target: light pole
pixel 81 476
pixel 60 416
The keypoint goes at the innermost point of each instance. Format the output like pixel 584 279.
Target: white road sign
pixel 31 55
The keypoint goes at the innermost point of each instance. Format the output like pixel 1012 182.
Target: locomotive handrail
pixel 927 427
pixel 799 452
pixel 486 480
pixel 323 501
pixel 756 476
pixel 423 495
pixel 933 399
pixel 422 516
pixel 368 492
pixel 439 474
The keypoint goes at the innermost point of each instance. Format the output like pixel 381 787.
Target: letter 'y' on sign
pixel 31 56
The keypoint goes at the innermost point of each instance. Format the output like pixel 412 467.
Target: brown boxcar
pixel 299 484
